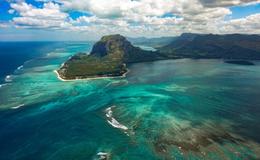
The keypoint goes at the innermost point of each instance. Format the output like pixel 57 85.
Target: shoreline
pixel 124 75
pixel 90 78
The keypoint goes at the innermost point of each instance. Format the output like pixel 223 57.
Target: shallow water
pixel 172 109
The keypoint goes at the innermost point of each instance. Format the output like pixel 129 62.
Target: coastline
pixel 90 78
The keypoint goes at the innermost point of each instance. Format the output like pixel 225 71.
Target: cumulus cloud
pixel 249 24
pixel 120 8
pixel 136 17
pixel 49 16
pixel 226 3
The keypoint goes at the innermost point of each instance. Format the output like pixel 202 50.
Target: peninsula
pixel 109 58
pixel 111 55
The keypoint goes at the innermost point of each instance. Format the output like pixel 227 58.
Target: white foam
pixel 116 124
pixel 8 78
pixel 112 121
pixel 109 112
pixel 16 107
pixel 2 85
pixel 20 67
pixel 102 155
pixel 174 87
pixel 50 54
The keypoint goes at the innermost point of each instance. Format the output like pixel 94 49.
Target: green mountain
pixel 117 44
pixel 231 46
pixel 109 57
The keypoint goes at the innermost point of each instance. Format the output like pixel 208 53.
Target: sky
pixel 80 20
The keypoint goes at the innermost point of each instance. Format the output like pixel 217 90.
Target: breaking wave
pixel 112 121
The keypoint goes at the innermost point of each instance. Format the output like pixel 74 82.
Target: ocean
pixel 171 109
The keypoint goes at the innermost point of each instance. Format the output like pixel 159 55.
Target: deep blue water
pixel 14 54
pixel 172 109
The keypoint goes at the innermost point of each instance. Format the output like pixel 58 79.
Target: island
pixel 109 58
pixel 111 55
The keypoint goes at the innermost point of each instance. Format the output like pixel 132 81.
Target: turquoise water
pixel 172 109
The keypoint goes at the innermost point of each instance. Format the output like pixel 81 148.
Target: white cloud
pixel 120 8
pixel 49 16
pixel 248 25
pixel 137 17
pixel 11 11
pixel 227 3
pixel 124 8
pixel 188 15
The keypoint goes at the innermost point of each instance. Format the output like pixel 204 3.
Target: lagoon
pixel 171 109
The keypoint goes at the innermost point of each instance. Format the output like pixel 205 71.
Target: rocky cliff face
pixel 110 44
pixel 117 44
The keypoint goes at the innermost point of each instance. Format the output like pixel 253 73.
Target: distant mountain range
pixel 151 42
pixel 231 46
